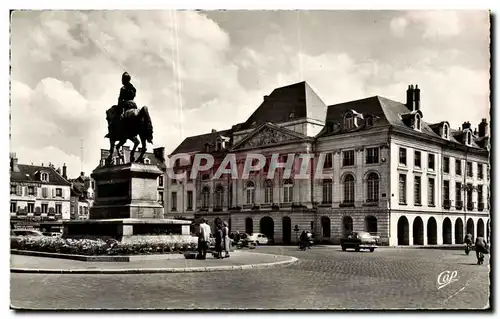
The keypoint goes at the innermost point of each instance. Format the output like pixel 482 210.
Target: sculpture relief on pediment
pixel 266 137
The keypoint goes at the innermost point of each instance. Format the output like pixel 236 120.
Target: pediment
pixel 269 135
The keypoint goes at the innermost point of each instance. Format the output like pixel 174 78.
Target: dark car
pixel 359 240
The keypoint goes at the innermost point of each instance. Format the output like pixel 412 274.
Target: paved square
pixel 324 278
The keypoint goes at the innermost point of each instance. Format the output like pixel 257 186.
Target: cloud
pixel 432 24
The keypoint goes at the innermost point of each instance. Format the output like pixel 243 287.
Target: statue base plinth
pixel 126 191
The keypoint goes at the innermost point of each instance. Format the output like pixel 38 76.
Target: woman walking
pixel 227 240
pixel 218 241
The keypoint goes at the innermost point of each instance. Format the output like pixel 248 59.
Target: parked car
pixel 25 232
pixel 359 240
pixel 258 239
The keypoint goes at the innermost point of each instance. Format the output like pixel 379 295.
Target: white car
pixel 258 238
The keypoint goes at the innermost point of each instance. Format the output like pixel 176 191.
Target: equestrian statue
pixel 125 122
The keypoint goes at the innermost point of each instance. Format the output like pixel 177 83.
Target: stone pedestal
pixel 126 207
pixel 126 191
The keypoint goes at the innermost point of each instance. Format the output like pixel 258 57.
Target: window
pixel 13 188
pixel 446 131
pixel 205 177
pixel 31 207
pixel 372 155
pixel 480 171
pixel 189 200
pixel 458 192
pixel 446 165
pixel 430 192
pixel 45 208
pixel 369 121
pixel 327 191
pixel 418 159
pixel 230 195
pixel 418 122
pixel 480 193
pixel 59 209
pixel 250 193
pixel 349 189
pixel 205 197
pixel 160 181
pixel 288 191
pixel 373 187
pixel 44 192
pixel 13 207
pixel 147 161
pixel 218 145
pixel 446 190
pixel 268 191
pixel 458 167
pixel 31 190
pixel 173 205
pixel 59 192
pixel 348 158
pixel 219 195
pixel 469 138
pixel 469 169
pixel 328 160
pixel 80 210
pixel 44 177
pixel 402 188
pixel 348 121
pixel 417 187
pixel 431 161
pixel 402 156
pixel 19 190
pixel 160 196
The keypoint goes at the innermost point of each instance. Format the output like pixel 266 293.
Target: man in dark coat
pixel 481 246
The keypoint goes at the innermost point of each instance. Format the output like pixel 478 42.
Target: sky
pixel 203 70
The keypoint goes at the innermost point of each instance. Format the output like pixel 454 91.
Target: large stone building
pixel 37 193
pixel 385 170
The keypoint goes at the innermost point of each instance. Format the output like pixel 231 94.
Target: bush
pixel 93 247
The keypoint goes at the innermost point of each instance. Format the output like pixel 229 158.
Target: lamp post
pixel 296 230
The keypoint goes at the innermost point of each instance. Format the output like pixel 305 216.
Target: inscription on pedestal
pixel 117 189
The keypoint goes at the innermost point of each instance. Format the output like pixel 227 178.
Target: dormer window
pixel 468 138
pixel 418 122
pixel 348 121
pixel 218 144
pixel 44 177
pixel 369 121
pixel 147 161
pixel 446 131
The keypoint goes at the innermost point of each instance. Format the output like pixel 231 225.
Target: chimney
pixel 214 131
pixel 64 171
pixel 410 94
pixel 466 125
pixel 483 128
pixel 82 174
pixel 417 98
pixel 13 163
pixel 266 97
pixel 159 153
pixel 58 170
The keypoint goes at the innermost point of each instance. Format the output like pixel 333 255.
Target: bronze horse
pixel 122 128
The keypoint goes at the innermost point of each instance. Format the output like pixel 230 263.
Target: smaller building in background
pixel 82 196
pixel 38 193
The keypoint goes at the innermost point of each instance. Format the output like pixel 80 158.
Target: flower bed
pixel 96 247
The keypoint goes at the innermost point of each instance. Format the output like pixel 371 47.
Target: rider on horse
pixel 125 101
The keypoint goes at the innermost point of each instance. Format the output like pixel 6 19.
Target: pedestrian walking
pixel 226 240
pixel 203 239
pixel 481 249
pixel 218 241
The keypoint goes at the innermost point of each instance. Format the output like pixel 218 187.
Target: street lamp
pixel 296 230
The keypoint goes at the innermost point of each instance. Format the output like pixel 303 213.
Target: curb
pixel 291 260
pixel 98 258
pixel 435 247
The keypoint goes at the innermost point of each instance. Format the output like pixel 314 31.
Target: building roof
pixel 389 113
pixel 153 158
pixel 31 173
pixel 295 101
pixel 197 143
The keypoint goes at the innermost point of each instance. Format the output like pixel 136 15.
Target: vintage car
pixel 359 240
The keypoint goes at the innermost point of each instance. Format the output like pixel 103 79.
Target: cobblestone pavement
pixel 237 259
pixel 324 278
